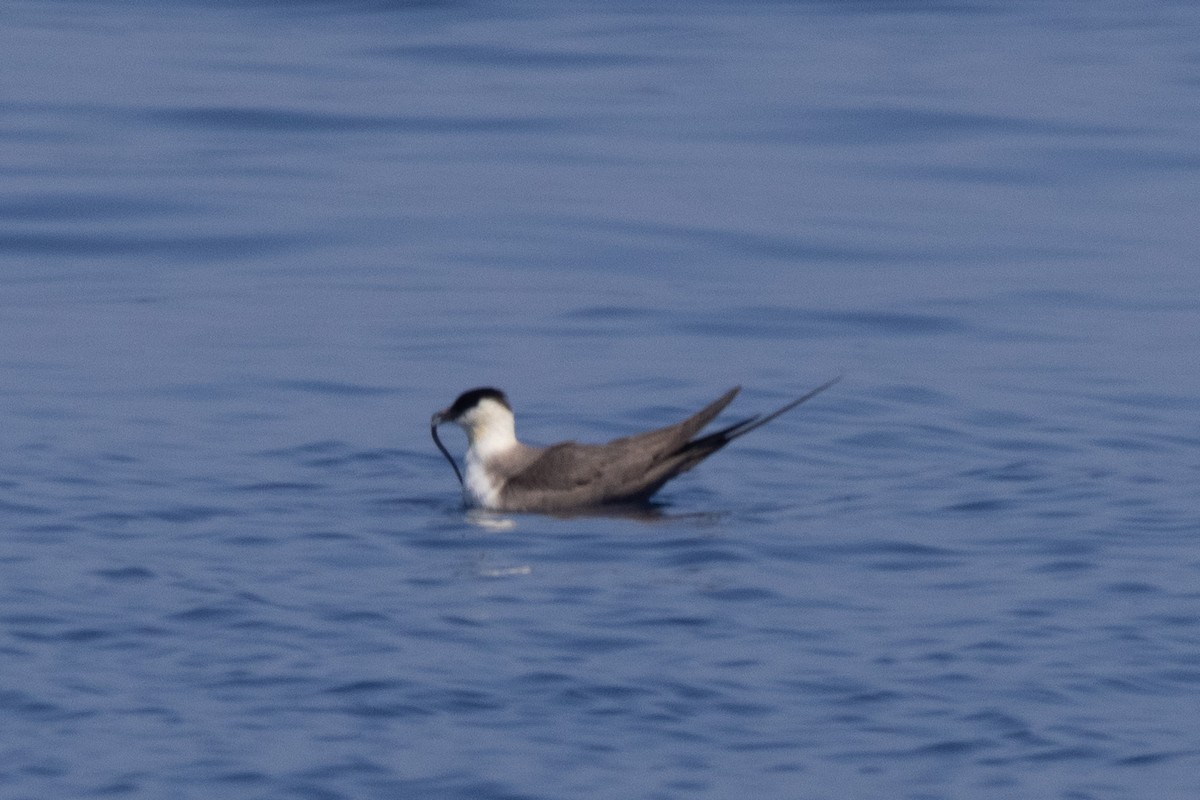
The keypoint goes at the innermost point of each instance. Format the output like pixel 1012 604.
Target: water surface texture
pixel 246 249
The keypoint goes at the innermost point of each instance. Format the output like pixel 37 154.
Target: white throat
pixel 491 435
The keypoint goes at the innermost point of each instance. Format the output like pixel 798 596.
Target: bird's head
pixel 484 413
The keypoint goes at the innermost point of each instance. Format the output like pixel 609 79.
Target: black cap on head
pixel 469 399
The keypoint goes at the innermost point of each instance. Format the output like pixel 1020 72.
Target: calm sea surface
pixel 246 249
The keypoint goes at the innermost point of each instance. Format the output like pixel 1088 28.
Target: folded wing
pixel 626 470
pixel 629 470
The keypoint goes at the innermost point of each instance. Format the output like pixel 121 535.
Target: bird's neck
pixel 487 445
pixel 494 438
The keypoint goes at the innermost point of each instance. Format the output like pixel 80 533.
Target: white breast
pixel 479 490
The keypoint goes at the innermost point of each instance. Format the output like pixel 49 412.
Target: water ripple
pixel 294 122
pixel 247 248
pixel 491 55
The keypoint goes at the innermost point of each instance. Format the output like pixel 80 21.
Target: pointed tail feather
pixel 756 422
pixel 725 435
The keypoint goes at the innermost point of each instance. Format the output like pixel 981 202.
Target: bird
pixel 506 475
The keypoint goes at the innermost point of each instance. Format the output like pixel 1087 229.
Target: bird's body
pixel 503 474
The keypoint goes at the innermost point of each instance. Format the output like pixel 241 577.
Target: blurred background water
pixel 246 249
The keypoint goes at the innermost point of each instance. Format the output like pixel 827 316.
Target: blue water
pixel 246 249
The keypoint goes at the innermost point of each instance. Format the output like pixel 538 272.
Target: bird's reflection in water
pixel 483 563
pixel 497 522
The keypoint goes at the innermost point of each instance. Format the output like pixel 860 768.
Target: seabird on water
pixel 503 474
